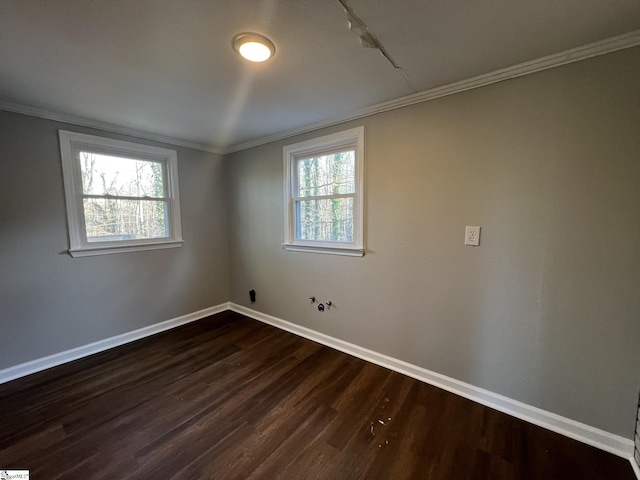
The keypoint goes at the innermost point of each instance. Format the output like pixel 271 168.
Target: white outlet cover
pixel 472 236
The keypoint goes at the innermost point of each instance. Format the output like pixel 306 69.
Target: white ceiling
pixel 167 67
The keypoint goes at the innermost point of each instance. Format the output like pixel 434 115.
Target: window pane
pixel 110 219
pixel 327 220
pixel 327 174
pixel 119 176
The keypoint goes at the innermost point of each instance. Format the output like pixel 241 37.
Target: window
pixel 120 196
pixel 324 194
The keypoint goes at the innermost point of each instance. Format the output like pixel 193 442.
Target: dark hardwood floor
pixel 230 398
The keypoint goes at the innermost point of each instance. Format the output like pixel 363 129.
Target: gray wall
pixel 547 309
pixel 636 438
pixel 50 302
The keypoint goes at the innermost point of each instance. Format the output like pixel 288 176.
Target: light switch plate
pixel 472 236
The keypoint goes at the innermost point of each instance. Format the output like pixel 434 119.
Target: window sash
pixel 298 220
pixel 332 227
pixel 295 176
pixel 124 197
pixel 323 197
pixel 127 222
pixel 349 140
pixel 71 144
pixel 107 196
pixel 298 199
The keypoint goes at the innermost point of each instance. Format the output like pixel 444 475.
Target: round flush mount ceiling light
pixel 253 47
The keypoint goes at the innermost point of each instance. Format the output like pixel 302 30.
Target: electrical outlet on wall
pixel 472 236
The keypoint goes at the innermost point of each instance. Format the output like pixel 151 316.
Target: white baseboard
pixel 601 439
pixel 56 359
pixel 565 426
pixel 636 468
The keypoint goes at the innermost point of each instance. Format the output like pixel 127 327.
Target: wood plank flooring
pixel 230 398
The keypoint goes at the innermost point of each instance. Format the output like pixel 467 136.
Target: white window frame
pixel 347 139
pixel 71 143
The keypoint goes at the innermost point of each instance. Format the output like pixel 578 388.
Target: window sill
pixel 111 249
pixel 347 251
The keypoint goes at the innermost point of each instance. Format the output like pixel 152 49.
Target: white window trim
pixel 354 138
pixel 70 143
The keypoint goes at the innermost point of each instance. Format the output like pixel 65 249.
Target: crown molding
pixel 602 47
pixel 105 126
pixel 620 42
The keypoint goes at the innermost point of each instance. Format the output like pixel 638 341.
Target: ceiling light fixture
pixel 253 47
